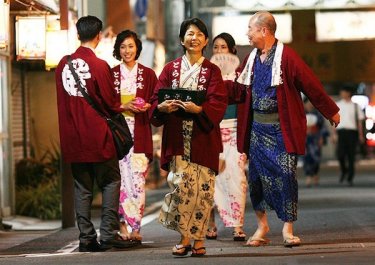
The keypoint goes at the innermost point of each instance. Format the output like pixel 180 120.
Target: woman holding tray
pixel 191 141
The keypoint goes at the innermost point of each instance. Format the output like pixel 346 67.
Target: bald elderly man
pixel 272 123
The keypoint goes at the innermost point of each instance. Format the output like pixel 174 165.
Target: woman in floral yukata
pixel 191 141
pixel 133 81
pixel 231 183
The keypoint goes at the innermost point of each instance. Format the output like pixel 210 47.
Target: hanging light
pixel 56 42
pixel 31 38
pixel 59 42
pixel 56 47
pixel 4 25
pixel 105 47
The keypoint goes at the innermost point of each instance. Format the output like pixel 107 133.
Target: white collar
pixel 197 63
pixel 126 70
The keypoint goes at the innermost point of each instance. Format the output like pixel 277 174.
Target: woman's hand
pixel 167 106
pixel 188 106
pixel 145 107
pixel 242 161
pixel 131 106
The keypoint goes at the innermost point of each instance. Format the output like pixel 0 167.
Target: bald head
pixel 265 19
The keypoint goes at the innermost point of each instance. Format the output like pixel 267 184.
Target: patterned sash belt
pixel 268 118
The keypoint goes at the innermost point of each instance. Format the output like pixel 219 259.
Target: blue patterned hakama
pixel 272 171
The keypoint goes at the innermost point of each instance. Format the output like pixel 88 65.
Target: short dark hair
pixel 192 21
pixel 88 28
pixel 347 89
pixel 120 39
pixel 228 40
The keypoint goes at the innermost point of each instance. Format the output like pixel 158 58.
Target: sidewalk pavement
pixel 24 223
pixel 24 229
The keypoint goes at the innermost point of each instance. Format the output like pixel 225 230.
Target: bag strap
pixel 82 90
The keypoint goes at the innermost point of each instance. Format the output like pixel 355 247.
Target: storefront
pixel 13 100
pixel 5 139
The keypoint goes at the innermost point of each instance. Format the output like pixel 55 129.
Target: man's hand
pixel 335 120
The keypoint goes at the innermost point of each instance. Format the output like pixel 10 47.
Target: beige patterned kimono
pixel 187 207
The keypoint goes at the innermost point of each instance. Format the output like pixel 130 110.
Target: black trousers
pixel 346 151
pixel 107 176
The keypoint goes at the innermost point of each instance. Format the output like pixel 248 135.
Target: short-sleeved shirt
pixel 348 115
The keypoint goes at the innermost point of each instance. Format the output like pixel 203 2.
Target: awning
pixel 32 6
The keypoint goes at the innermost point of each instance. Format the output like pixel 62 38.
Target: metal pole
pixel 67 189
pixel 1 216
pixel 188 8
pixel 24 117
pixel 174 15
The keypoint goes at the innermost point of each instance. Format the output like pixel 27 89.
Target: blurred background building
pixel 335 37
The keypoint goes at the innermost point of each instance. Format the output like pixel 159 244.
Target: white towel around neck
pixel 246 74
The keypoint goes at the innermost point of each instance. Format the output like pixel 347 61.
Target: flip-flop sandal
pixel 135 237
pixel 257 242
pixel 124 237
pixel 211 233
pixel 239 236
pixel 292 242
pixel 196 252
pixel 181 250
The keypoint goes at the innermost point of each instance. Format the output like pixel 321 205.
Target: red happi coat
pixel 297 77
pixel 146 82
pixel 84 135
pixel 206 142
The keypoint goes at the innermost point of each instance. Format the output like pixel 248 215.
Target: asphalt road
pixel 335 222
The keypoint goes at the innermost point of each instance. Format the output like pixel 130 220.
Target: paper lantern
pixel 31 38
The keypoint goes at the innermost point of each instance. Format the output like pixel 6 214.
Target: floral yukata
pixel 230 184
pixel 186 209
pixel 133 167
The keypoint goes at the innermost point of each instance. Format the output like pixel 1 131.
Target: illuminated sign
pixel 236 25
pixel 349 25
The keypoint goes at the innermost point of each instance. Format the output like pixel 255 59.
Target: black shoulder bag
pixel 122 137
